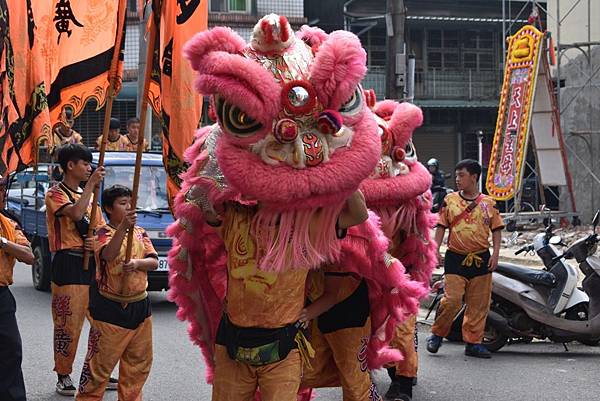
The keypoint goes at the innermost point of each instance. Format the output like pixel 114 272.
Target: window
pixel 132 5
pixel 230 6
pixel 152 195
pixel 443 49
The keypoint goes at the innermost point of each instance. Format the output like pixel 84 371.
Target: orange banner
pixel 171 92
pixel 514 113
pixel 79 50
pixel 24 118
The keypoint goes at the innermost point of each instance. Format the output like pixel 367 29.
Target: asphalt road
pixel 527 372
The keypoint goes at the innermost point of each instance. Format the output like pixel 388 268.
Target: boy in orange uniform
pixel 470 216
pixel 13 246
pixel 119 305
pixel 68 210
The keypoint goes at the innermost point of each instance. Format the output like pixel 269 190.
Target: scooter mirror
pixel 596 219
pixel 555 240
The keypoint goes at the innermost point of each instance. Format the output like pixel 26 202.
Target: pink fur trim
pixel 405 119
pixel 385 108
pixel 286 188
pixel 393 296
pixel 221 39
pixel 392 191
pixel 338 68
pixel 312 36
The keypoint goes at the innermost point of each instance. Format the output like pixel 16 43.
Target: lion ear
pixel 339 66
pixel 219 39
pixel 312 36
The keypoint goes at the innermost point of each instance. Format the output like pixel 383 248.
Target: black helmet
pixel 433 162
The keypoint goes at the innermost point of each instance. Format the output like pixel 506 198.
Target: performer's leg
pixel 404 372
pixel 454 290
pixel 477 300
pixel 136 362
pixel 322 371
pixel 106 344
pixel 69 310
pixel 233 380
pixel 349 348
pixel 12 387
pixel 280 381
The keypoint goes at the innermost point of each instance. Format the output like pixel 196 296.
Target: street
pixel 537 371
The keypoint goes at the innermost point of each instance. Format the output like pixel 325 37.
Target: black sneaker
pixel 112 384
pixel 64 386
pixel 434 343
pixel 395 393
pixel 400 389
pixel 477 351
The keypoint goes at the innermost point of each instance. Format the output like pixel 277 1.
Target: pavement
pixel 519 372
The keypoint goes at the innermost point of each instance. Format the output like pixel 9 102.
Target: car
pixel 26 201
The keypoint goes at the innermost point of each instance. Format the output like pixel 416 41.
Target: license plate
pixel 163 265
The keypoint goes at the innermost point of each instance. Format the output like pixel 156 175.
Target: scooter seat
pixel 527 275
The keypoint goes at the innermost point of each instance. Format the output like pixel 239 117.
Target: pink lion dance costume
pixel 294 140
pixel 398 191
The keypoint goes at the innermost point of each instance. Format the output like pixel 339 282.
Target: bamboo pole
pixel 113 76
pixel 140 142
pixel 107 113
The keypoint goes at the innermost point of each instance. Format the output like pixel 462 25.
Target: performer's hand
pixel 493 263
pixel 96 177
pixel 129 220
pixel 88 244
pixel 130 266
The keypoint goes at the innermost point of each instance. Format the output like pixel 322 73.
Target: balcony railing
pixel 451 85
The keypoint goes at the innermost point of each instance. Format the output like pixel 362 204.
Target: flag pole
pixel 140 142
pixel 113 76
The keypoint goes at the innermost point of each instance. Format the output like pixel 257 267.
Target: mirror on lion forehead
pixel 298 96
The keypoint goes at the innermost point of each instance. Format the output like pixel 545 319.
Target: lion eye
pixel 354 103
pixel 410 150
pixel 235 120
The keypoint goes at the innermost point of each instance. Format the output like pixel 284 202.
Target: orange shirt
pixel 256 298
pixel 120 145
pixel 60 140
pixel 346 283
pixel 62 233
pixel 12 232
pixel 110 275
pixel 471 233
pixel 132 147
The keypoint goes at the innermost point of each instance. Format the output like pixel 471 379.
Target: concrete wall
pixel 581 127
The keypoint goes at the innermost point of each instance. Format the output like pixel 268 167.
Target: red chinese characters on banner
pixel 514 113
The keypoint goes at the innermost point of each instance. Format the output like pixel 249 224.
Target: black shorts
pixel 67 268
pixel 453 265
pixel 109 311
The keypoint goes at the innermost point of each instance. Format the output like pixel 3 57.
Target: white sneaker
pixel 64 386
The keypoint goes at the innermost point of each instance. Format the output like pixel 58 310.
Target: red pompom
pixel 329 122
pixel 398 154
pixel 286 131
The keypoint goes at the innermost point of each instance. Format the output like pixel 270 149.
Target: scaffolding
pixel 524 211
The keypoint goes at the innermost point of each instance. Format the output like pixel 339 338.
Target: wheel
pixel 511 226
pixel 40 270
pixel 493 339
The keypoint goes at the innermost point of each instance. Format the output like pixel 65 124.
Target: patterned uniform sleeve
pixel 20 238
pixel 56 201
pixel 443 217
pixel 496 222
pixel 103 237
pixel 149 251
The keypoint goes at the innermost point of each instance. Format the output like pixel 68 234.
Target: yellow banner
pixel 514 113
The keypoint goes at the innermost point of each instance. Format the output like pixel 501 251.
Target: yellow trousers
pixel 476 293
pixel 69 310
pixel 405 340
pixel 109 344
pixel 238 381
pixel 340 360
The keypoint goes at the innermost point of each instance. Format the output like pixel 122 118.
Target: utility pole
pixel 396 50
